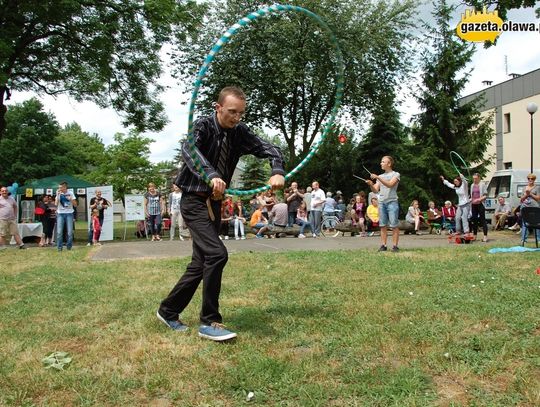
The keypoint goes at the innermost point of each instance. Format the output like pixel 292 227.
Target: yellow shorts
pixel 8 228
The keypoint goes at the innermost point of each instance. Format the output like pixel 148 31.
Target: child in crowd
pixel 96 225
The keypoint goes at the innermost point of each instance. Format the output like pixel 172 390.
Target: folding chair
pixel 531 219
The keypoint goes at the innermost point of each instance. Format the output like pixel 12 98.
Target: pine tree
pixel 445 124
pixel 256 172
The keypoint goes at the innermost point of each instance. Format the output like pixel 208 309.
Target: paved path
pixel 165 248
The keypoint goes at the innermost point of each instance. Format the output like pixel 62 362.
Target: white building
pixel 507 101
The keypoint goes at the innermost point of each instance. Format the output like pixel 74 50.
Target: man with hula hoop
pixel 220 140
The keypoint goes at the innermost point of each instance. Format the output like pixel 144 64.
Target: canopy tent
pixel 52 183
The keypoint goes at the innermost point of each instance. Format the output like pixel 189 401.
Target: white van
pixel 510 185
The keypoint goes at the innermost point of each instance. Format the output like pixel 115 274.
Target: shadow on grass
pixel 260 321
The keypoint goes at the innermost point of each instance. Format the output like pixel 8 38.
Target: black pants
pixel 207 262
pixel 478 216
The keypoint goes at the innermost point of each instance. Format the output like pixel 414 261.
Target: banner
pixel 107 193
pixel 134 207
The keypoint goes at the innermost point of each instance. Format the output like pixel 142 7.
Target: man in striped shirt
pixel 220 140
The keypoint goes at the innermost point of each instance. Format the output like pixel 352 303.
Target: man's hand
pixel 276 181
pixel 369 182
pixel 218 186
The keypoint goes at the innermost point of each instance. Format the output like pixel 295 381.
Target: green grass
pixel 440 327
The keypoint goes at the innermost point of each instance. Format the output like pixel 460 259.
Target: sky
pixel 515 52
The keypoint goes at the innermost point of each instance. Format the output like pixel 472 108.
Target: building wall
pixel 511 144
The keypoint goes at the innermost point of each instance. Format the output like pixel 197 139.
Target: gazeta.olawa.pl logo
pixel 480 26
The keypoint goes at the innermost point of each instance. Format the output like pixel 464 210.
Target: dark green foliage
pixel 106 51
pixel 445 125
pixel 287 66
pixel 31 148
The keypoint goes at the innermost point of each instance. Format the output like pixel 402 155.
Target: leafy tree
pixel 502 6
pixel 31 148
pixel 84 151
pixel 333 165
pixel 106 51
pixel 127 165
pixel 286 64
pixel 444 124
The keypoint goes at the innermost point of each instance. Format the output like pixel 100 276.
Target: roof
pixel 52 183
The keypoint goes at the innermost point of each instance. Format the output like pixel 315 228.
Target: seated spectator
pixel 434 217
pixel 302 219
pixel 449 217
pixel 517 218
pixel 226 217
pixel 503 213
pixel 141 229
pixel 372 216
pixel 279 216
pixel 267 201
pixel 414 216
pixel 258 223
pixel 239 215
pixel 342 208
pixel 358 211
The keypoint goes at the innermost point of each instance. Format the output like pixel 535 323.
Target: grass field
pixel 450 326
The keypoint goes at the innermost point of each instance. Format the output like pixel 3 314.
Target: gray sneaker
pixel 216 332
pixel 174 325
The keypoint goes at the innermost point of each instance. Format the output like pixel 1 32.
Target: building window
pixel 507 127
pixel 508 165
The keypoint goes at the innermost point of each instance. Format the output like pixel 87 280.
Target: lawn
pixel 450 326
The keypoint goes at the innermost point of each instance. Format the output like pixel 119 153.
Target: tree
pixel 106 51
pixel 287 66
pixel 127 165
pixel 30 148
pixel 256 172
pixel 84 152
pixel 444 123
pixel 502 6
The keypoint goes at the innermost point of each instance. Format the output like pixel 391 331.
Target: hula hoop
pixel 456 156
pixel 276 8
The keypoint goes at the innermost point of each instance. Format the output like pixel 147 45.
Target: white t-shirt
pixel 318 198
pixel 174 200
pixel 65 204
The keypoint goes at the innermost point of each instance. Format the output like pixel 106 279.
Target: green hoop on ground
pixel 276 8
pixel 455 157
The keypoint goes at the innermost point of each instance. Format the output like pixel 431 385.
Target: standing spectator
pixel 175 198
pixel 315 213
pixel 503 212
pixel 153 209
pixel 96 227
pixel 460 185
pixel 307 200
pixel 8 219
pixel 294 198
pixel 329 208
pixel 220 140
pixel 99 203
pixel 43 211
pixel 478 210
pixel 529 198
pixel 66 202
pixel 386 185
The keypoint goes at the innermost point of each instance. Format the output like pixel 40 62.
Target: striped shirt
pixel 209 137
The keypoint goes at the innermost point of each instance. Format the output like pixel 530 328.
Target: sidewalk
pixel 165 248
